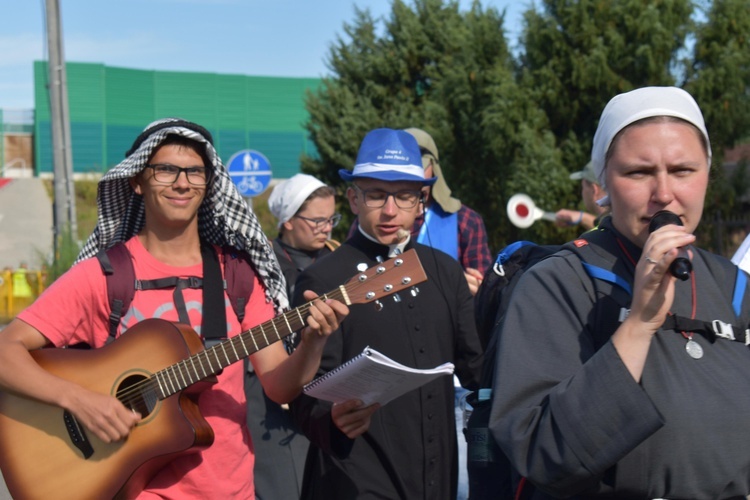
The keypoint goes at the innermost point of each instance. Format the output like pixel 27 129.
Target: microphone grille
pixel 663 218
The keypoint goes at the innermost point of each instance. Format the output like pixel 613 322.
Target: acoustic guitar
pixel 158 369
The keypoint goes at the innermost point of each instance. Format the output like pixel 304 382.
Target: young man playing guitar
pixel 172 203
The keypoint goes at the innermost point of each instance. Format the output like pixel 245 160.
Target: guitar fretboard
pixel 211 361
pixel 383 279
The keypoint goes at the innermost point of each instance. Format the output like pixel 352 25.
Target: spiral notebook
pixel 372 377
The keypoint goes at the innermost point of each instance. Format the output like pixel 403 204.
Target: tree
pixel 508 124
pixel 579 54
pixel 718 76
pixel 442 70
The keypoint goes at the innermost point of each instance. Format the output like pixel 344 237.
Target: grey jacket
pixel 573 421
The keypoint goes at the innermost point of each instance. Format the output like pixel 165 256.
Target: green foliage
pixel 719 73
pixel 579 54
pixel 66 245
pixel 86 209
pixel 264 215
pixel 65 253
pixel 508 124
pixel 439 69
pixel 718 76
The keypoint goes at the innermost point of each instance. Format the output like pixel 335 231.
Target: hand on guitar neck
pixel 292 372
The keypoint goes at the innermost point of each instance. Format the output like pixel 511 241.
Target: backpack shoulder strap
pixel 600 273
pixel 740 284
pixel 725 271
pixel 117 267
pixel 597 251
pixel 240 278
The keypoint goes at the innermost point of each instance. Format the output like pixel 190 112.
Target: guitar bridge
pixel 77 435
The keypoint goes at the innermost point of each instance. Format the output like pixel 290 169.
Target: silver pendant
pixel 694 349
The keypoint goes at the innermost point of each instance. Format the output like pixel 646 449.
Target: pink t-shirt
pixel 74 309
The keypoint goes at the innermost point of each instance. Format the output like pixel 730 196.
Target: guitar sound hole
pixel 136 393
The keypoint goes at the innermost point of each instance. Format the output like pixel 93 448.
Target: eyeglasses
pixel 167 173
pixel 377 198
pixel 320 223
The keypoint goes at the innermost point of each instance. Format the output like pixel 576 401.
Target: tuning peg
pixel 396 298
pixel 379 258
pixel 414 291
pixel 378 306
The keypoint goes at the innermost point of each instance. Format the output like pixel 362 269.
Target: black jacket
pixel 410 450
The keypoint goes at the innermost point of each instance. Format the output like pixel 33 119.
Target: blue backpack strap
pixel 504 255
pixel 608 276
pixel 740 283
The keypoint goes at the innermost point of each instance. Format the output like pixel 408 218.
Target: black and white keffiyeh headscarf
pixel 224 219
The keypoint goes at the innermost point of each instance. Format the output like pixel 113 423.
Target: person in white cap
pixel 591 191
pixel 407 448
pixel 629 383
pixel 306 212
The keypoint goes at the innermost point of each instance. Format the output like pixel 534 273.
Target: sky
pixel 289 38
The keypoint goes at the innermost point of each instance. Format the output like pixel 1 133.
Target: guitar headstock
pixel 381 280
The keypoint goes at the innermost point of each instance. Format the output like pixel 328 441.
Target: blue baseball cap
pixel 388 155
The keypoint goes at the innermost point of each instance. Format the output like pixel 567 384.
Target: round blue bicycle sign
pixel 250 171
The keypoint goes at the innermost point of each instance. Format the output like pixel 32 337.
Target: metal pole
pixel 2 144
pixel 65 118
pixel 64 213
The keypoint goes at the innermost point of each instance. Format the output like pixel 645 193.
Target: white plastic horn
pixel 522 211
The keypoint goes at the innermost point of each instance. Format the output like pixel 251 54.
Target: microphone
pixel 681 266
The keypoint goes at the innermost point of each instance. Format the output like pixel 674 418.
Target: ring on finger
pixel 650 260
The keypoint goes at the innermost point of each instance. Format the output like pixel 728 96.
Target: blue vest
pixel 440 230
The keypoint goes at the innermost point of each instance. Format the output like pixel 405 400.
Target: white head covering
pixel 647 102
pixel 289 195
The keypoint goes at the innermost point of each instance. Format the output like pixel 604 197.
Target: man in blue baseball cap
pixel 407 448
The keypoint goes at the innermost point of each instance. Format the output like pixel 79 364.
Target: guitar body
pixel 39 455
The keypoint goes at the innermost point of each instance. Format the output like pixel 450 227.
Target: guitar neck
pixel 211 361
pixel 385 278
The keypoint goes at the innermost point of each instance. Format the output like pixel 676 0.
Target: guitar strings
pixel 131 395
pixel 136 392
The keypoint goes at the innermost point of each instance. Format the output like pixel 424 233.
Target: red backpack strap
pixel 120 284
pixel 240 278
